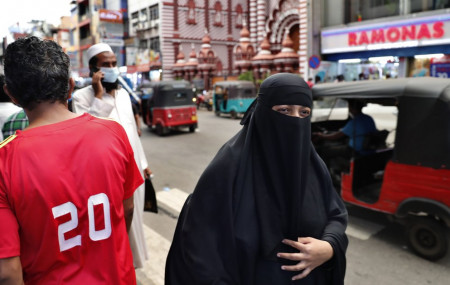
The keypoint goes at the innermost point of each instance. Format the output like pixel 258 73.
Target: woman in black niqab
pixel 266 185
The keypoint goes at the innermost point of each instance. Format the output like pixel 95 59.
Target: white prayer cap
pixel 98 48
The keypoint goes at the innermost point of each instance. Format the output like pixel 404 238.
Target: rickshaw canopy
pixel 236 88
pixel 171 93
pixel 423 125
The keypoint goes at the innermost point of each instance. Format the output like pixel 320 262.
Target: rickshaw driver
pixel 337 157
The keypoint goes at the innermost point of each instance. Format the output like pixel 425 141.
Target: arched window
pixel 218 17
pixel 191 13
pixel 239 17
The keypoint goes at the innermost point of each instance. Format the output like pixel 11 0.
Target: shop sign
pixel 113 42
pixel 110 16
pixel 395 34
pixel 440 67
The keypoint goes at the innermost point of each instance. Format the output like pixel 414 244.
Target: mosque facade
pixel 206 39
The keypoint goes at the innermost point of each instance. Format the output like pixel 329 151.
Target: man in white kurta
pixel 116 104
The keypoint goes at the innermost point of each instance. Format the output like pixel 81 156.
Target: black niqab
pixel 265 184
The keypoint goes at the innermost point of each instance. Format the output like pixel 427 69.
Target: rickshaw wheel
pixel 159 130
pixel 428 238
pixel 192 128
pixel 233 115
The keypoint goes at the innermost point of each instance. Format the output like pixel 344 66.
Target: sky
pixel 23 11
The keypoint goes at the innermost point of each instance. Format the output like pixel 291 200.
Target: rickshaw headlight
pixel 169 115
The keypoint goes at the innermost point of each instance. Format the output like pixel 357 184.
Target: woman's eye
pixel 283 110
pixel 305 113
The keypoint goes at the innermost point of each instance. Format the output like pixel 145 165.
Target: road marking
pixel 171 200
pixel 362 229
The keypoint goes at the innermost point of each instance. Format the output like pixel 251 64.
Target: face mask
pixel 110 74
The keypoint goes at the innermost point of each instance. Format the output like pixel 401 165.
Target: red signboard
pixel 110 16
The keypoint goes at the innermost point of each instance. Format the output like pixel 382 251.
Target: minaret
pixel 263 61
pixel 253 23
pixel 191 66
pixel 261 20
pixel 303 37
pixel 178 67
pixel 244 51
pixel 287 59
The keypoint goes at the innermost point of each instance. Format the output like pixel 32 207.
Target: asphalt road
pixel 377 252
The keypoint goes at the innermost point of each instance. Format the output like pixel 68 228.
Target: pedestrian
pixel 264 211
pixel 66 181
pixel 310 82
pixel 17 121
pixel 7 108
pixel 104 98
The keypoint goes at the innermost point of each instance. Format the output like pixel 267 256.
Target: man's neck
pixel 47 113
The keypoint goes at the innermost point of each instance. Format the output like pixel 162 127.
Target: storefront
pixel 397 47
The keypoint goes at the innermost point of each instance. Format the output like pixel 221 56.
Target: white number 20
pixel 69 208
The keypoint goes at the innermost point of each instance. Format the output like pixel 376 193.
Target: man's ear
pixel 5 88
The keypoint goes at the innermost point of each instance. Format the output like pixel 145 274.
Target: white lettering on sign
pixel 109 15
pixel 401 33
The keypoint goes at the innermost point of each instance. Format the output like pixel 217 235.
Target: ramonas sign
pixel 395 34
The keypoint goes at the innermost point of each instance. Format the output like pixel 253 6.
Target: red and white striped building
pixel 227 37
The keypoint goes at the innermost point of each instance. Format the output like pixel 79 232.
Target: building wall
pixel 185 34
pixel 262 17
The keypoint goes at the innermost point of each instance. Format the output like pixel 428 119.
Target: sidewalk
pixel 153 271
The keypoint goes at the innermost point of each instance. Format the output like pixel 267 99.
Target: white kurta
pixel 119 108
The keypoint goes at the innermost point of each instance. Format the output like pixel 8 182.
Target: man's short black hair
pixel 3 96
pixel 93 65
pixel 37 71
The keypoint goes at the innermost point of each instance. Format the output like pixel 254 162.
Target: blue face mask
pixel 110 74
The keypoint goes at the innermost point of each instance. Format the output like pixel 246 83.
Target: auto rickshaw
pixel 233 97
pixel 167 105
pixel 408 175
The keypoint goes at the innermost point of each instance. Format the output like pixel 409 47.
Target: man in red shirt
pixel 66 181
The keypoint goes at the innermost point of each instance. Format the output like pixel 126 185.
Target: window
pixel 143 44
pixel 143 16
pixel 154 44
pixel 427 5
pixel 135 19
pixel 191 12
pixel 218 14
pixel 239 18
pixel 180 97
pixel 154 12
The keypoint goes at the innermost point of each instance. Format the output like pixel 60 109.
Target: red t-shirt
pixel 62 188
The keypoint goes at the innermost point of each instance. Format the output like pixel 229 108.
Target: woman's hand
pixel 312 253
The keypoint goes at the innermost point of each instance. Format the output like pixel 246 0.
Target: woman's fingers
pixel 302 275
pixel 291 256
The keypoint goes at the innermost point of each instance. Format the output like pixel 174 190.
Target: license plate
pixel 194 118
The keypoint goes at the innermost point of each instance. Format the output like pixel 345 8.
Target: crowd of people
pixel 71 185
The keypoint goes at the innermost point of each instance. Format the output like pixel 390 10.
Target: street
pixel 377 252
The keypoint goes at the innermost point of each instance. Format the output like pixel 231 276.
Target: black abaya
pixel 265 184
